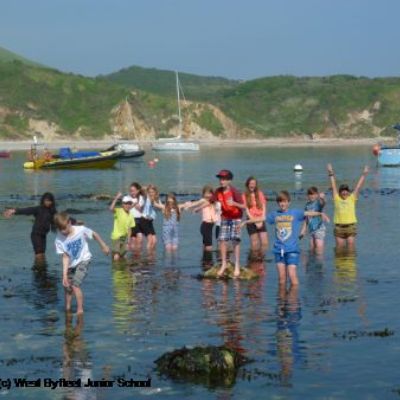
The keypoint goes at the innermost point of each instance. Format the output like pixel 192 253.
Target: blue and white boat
pixel 389 156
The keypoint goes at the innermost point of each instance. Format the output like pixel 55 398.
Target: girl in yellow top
pixel 344 201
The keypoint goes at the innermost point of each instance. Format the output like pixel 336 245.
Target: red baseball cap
pixel 225 174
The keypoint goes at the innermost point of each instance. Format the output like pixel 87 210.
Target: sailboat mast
pixel 179 104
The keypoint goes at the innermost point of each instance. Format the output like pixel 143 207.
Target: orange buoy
pixel 151 164
pixel 376 148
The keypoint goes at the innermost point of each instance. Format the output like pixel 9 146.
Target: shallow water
pixel 312 343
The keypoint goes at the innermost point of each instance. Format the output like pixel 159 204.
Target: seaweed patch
pixel 352 334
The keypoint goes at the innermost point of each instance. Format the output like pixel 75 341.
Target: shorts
pixel 147 227
pixel 217 229
pixel 230 230
pixel 118 246
pixel 170 232
pixel 288 258
pixel 77 274
pixel 345 231
pixel 252 229
pixel 138 227
pixel 38 242
pixel 206 229
pixel 319 233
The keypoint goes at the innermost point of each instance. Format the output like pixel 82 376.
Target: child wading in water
pixel 135 192
pixel 208 215
pixel 256 208
pixel 149 215
pixel 71 243
pixel 286 248
pixel 172 214
pixel 44 220
pixel 315 225
pixel 344 200
pixel 231 214
pixel 123 225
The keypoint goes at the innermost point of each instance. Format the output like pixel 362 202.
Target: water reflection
pixel 388 178
pixel 288 349
pixel 345 267
pixel 45 285
pixel 76 359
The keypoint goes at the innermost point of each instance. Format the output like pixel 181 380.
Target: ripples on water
pixel 317 341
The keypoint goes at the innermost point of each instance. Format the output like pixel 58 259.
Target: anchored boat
pixel 389 156
pixel 128 150
pixel 66 159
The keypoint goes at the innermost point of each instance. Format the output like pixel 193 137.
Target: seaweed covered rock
pixel 245 273
pixel 210 365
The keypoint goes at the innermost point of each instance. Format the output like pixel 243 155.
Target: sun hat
pixel 225 174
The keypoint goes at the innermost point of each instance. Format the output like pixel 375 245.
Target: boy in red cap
pixel 231 215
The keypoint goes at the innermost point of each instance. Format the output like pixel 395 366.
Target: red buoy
pixel 376 148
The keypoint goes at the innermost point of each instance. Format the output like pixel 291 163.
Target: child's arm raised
pixel 189 205
pixel 20 211
pixel 361 181
pixel 331 175
pixel 104 248
pixel 159 205
pixel 114 202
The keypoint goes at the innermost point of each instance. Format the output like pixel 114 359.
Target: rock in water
pixel 245 273
pixel 209 365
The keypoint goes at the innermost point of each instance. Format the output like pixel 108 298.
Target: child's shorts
pixel 147 227
pixel 252 228
pixel 288 258
pixel 230 230
pixel 118 246
pixel 206 229
pixel 170 234
pixel 319 233
pixel 345 231
pixel 77 274
pixel 138 227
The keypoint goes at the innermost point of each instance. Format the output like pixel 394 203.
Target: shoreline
pixel 273 142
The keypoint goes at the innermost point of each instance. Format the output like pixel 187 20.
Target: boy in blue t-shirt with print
pixel 286 247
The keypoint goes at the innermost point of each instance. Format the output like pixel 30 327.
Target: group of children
pixel 223 208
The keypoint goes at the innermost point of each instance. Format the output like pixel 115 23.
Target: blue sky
pixel 231 38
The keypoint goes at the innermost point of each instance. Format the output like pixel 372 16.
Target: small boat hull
pixel 389 157
pixel 175 146
pixel 5 154
pixel 128 150
pixel 102 161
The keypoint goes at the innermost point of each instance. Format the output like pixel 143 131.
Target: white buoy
pixel 298 168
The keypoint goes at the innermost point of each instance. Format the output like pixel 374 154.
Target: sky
pixel 231 38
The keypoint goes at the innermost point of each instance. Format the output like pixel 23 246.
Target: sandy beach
pixel 273 142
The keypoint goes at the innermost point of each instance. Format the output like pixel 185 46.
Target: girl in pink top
pixel 209 215
pixel 256 207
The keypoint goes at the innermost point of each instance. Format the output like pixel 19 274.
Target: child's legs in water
pixel 281 268
pixel 68 299
pixel 351 242
pixel 292 272
pixel 264 241
pixel 236 252
pixel 79 299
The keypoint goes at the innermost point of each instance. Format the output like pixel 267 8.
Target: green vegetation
pixel 335 106
pixel 163 82
pixel 208 121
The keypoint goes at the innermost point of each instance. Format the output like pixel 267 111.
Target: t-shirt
pixel 209 213
pixel 137 201
pixel 253 210
pixel 149 211
pixel 345 210
pixel 123 221
pixel 314 223
pixel 75 245
pixel 223 196
pixel 287 230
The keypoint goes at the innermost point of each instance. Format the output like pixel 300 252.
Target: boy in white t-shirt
pixel 71 242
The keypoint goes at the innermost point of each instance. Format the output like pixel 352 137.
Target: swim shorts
pixel 230 230
pixel 288 258
pixel 118 246
pixel 345 231
pixel 77 274
pixel 147 227
pixel 252 229
pixel 319 233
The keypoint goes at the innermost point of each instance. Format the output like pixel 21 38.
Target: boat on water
pixel 127 149
pixel 67 159
pixel 176 143
pixel 389 156
pixel 5 154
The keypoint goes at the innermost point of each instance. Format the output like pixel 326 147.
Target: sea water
pixel 318 342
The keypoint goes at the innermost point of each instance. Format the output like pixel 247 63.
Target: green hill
pixel 162 82
pixel 338 105
pixel 7 56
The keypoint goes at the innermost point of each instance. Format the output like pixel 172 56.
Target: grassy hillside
pixel 286 105
pixel 7 56
pixel 71 101
pixel 163 82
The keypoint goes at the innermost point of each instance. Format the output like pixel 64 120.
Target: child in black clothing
pixel 44 215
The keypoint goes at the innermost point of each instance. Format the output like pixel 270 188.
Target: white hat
pixel 127 199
